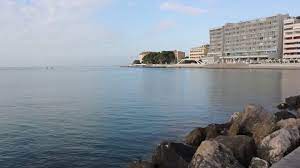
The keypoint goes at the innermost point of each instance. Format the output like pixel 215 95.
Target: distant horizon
pixel 113 32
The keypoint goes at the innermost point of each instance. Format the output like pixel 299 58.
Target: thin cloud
pixel 57 32
pixel 181 8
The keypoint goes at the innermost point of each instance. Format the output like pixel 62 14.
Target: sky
pixel 113 32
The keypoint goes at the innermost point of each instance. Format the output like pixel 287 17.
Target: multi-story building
pixel 216 42
pixel 179 55
pixel 248 40
pixel 197 53
pixel 291 40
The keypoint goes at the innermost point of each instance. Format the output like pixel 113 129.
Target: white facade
pixel 291 40
pixel 248 40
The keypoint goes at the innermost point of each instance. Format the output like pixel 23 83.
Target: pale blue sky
pixel 113 32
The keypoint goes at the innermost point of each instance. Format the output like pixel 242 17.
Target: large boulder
pixel 243 147
pixel 172 155
pixel 198 135
pixel 214 130
pixel 255 121
pixel 212 154
pixel 234 129
pixel 259 163
pixel 297 112
pixel 293 102
pixel 195 137
pixel 283 115
pixel 288 123
pixel 278 144
pixel 283 106
pixel 140 164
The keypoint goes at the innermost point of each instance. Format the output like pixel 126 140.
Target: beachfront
pixel 220 66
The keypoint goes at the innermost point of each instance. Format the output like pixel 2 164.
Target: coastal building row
pixel 270 38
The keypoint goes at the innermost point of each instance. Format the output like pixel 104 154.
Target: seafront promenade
pixel 220 66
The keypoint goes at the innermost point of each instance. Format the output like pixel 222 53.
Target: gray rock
pixel 198 135
pixel 293 102
pixel 195 137
pixel 259 163
pixel 212 154
pixel 283 106
pixel 283 115
pixel 278 144
pixel 235 116
pixel 297 112
pixel 214 130
pixel 288 123
pixel 140 164
pixel 172 155
pixel 255 121
pixel 243 147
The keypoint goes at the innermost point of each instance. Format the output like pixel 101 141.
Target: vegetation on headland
pixel 136 62
pixel 164 57
pixel 254 138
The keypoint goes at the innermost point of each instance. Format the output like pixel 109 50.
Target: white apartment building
pixel 248 40
pixel 291 40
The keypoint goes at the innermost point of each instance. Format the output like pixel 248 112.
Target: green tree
pixel 164 57
pixel 136 62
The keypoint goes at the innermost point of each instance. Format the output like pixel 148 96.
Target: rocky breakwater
pixel 254 138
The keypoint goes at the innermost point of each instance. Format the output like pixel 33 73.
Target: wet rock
pixel 172 155
pixel 243 147
pixel 259 163
pixel 288 123
pixel 234 129
pixel 140 164
pixel 198 135
pixel 278 144
pixel 282 115
pixel 214 130
pixel 255 121
pixel 195 137
pixel 297 113
pixel 212 154
pixel 293 102
pixel 283 106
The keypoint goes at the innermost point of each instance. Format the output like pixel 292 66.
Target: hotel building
pixel 216 42
pixel 291 40
pixel 248 40
pixel 197 53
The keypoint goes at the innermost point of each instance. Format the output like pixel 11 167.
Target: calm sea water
pixel 105 117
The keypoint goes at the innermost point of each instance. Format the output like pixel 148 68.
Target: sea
pixel 107 117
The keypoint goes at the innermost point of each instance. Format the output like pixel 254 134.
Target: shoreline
pixel 221 66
